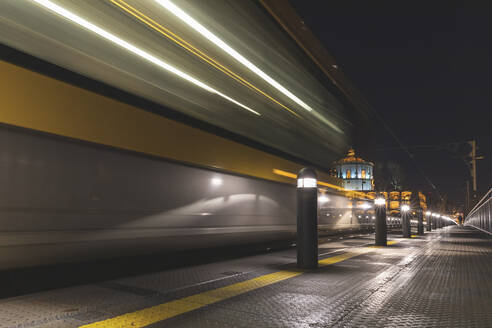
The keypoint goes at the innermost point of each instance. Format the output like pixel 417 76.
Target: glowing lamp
pixel 380 201
pixel 307 178
pixel 306 183
pixel 216 181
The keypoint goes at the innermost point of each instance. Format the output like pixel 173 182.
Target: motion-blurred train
pixel 64 200
pixel 109 154
pixel 80 183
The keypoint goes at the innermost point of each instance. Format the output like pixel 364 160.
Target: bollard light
pixel 429 220
pixel 405 216
pixel 380 201
pixel 306 183
pixel 307 219
pixel 381 229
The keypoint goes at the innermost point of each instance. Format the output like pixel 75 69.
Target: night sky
pixel 425 66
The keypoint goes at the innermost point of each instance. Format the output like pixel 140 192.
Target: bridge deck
pixel 442 279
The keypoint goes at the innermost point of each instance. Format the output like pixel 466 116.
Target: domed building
pixel 357 174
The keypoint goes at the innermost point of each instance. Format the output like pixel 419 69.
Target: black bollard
pixel 307 219
pixel 420 228
pixel 381 228
pixel 405 218
pixel 429 221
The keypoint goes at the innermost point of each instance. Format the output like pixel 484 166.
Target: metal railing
pixel 481 215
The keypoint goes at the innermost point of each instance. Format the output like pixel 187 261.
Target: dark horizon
pixel 424 68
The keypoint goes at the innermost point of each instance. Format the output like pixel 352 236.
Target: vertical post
pixel 381 228
pixel 429 220
pixel 405 218
pixel 420 228
pixel 307 219
pixel 473 172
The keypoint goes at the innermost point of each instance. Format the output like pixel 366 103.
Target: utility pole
pixel 473 167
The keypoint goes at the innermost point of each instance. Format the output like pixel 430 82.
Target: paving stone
pixel 440 280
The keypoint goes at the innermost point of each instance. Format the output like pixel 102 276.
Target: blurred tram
pixel 67 196
pixel 105 154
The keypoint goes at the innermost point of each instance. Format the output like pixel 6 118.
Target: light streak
pixel 190 21
pixel 135 50
pixel 192 49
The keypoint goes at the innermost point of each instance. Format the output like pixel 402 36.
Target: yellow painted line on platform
pixel 167 310
pixel 154 314
pixel 392 242
pixel 413 236
pixel 339 258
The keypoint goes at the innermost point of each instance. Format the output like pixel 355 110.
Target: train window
pixel 348 174
pixel 363 174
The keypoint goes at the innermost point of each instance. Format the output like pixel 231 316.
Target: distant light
pixel 373 217
pixel 365 206
pixel 216 181
pixel 306 183
pixel 367 217
pixel 405 208
pixel 135 50
pixel 428 213
pixel 323 199
pixel 340 215
pixel 380 201
pixel 438 215
pixel 434 214
pixel 359 216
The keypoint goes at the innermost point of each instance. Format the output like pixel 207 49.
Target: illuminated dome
pixel 357 174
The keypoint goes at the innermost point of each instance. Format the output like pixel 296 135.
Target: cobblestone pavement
pixel 443 279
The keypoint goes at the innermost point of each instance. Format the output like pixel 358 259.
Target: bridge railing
pixel 481 215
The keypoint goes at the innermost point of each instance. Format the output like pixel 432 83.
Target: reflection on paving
pixel 442 279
